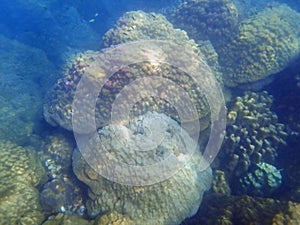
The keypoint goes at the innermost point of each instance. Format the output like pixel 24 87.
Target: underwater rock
pixel 262 180
pixel 60 195
pixel 264 45
pixel 215 20
pixel 20 173
pixel 253 134
pixel 167 202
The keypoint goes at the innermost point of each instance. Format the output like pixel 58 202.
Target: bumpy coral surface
pixel 58 103
pixel 138 25
pixel 253 134
pixel 262 180
pixel 22 68
pixel 215 20
pixel 167 202
pixel 113 218
pixel 58 150
pixel 264 45
pixel 20 173
pixel 67 220
pixel 289 216
pixel 242 210
pixel 58 106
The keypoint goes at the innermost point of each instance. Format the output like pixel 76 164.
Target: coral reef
pixel 138 25
pixel 113 218
pixel 20 172
pixel 166 202
pixel 62 219
pixel 22 68
pixel 262 180
pixel 57 153
pixel 58 102
pixel 60 195
pixel 253 134
pixel 242 210
pixel 215 20
pixel 220 184
pixel 289 216
pixel 58 106
pixel 264 45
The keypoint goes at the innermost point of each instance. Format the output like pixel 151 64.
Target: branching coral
pixel 253 134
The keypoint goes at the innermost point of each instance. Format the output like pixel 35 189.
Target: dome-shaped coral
pixel 167 202
pixel 264 45
pixel 215 20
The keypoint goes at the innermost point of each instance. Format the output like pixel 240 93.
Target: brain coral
pixel 264 45
pixel 20 173
pixel 167 202
pixel 253 134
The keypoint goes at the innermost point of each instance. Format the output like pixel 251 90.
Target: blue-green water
pixel 226 72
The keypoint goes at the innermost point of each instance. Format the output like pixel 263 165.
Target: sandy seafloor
pixel 252 49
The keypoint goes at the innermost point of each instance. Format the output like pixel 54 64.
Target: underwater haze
pixel 174 112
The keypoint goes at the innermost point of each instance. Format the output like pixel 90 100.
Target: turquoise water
pixel 205 93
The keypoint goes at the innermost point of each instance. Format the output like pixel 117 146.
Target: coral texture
pixel 138 25
pixel 265 44
pixel 215 20
pixel 253 134
pixel 167 202
pixel 262 180
pixel 20 173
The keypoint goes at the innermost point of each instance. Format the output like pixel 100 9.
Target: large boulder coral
pixel 253 134
pixel 20 173
pixel 215 20
pixel 264 45
pixel 167 202
pixel 138 25
pixel 58 107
